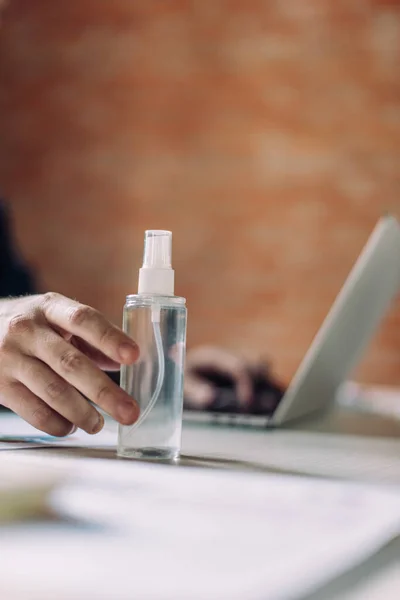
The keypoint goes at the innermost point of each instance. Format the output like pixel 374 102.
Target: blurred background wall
pixel 265 134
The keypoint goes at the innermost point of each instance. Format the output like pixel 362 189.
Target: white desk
pixel 352 457
pixel 359 458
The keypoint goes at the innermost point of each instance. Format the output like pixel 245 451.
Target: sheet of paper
pixel 158 533
pixel 17 434
pixel 17 445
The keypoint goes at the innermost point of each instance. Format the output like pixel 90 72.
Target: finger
pixel 244 387
pixel 210 357
pixel 224 362
pixel 32 409
pixel 101 360
pixel 59 395
pixel 198 394
pixel 64 334
pixel 177 353
pixel 78 370
pixel 88 324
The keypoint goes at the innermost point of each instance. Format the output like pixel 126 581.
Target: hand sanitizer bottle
pixel 156 320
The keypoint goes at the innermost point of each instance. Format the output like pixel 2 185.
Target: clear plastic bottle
pixel 156 320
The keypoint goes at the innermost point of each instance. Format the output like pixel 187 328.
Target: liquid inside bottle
pixel 158 325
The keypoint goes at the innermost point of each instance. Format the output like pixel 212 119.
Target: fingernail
pixel 74 428
pixel 127 412
pixel 129 352
pixel 98 426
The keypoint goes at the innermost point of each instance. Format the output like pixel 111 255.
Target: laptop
pixel 354 317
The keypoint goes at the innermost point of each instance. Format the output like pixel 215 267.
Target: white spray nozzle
pixel 157 249
pixel 156 275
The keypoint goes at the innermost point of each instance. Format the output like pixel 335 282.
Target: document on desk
pixel 161 533
pixel 16 434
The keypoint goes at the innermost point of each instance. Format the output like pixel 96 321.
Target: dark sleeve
pixel 15 277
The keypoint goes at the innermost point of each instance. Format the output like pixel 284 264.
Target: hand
pixel 198 392
pixel 52 350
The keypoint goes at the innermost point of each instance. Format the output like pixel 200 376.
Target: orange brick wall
pixel 265 134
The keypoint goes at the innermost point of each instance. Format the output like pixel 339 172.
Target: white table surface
pixel 292 451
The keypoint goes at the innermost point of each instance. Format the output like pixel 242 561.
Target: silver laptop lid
pixel 355 315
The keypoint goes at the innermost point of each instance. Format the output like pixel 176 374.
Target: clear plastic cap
pixel 157 249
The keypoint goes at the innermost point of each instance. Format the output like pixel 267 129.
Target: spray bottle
pixel 156 320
